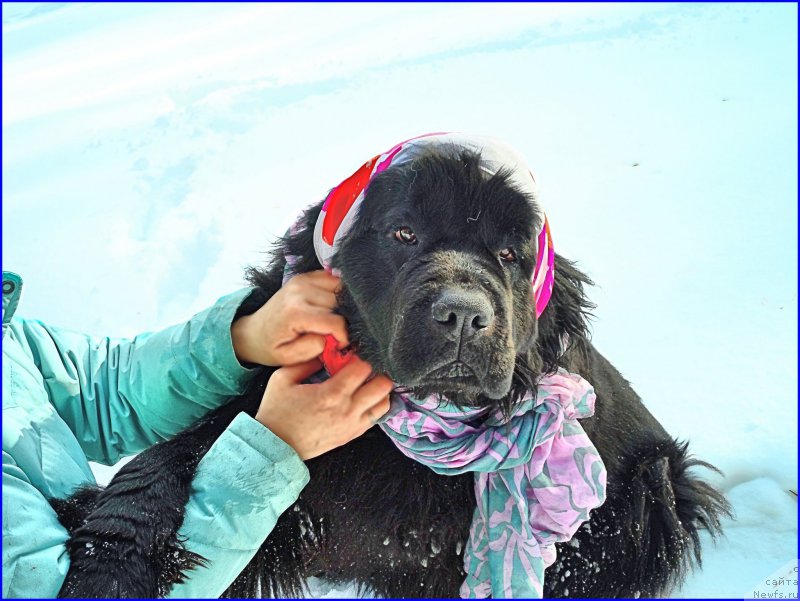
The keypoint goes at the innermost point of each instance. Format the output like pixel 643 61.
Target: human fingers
pixel 373 414
pixel 319 321
pixel 349 379
pixel 372 393
pixel 295 374
pixel 302 349
pixel 321 279
pixel 318 297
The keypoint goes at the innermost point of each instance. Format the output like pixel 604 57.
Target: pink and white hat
pixel 342 203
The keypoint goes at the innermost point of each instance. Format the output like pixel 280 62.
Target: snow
pixel 151 151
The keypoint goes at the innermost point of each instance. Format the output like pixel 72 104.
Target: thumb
pixel 302 349
pixel 302 371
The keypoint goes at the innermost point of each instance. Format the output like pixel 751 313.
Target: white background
pixel 150 152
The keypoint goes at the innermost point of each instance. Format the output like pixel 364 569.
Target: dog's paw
pixel 116 562
pixel 110 569
pixel 128 546
pixel 176 565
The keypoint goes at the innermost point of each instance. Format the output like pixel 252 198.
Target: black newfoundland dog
pixel 372 516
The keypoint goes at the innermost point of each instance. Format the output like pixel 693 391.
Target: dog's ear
pixel 566 317
pixel 297 243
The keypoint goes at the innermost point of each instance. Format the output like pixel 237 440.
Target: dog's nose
pixel 462 313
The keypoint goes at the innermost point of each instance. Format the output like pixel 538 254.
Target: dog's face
pixel 437 278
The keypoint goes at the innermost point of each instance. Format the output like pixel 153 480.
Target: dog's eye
pixel 508 255
pixel 406 235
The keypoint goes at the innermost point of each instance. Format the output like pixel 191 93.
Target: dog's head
pixel 437 272
pixel 436 275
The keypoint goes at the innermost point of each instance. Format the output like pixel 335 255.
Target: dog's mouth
pixel 455 374
pixel 455 370
pixel 455 380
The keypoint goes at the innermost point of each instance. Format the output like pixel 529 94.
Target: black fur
pixel 371 515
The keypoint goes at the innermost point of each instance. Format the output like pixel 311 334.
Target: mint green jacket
pixel 69 398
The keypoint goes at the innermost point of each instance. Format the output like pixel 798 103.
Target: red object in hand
pixel 333 358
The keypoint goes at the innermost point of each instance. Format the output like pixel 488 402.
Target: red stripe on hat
pixel 342 198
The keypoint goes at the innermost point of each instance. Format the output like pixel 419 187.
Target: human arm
pixel 120 396
pixel 235 504
pixel 215 480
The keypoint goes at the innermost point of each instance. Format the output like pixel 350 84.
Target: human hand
pixel 315 418
pixel 291 326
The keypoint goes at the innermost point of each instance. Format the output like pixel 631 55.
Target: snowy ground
pixel 152 151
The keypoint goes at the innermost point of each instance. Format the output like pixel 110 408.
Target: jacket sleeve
pixel 245 481
pixel 121 396
pixel 35 558
pixel 243 484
